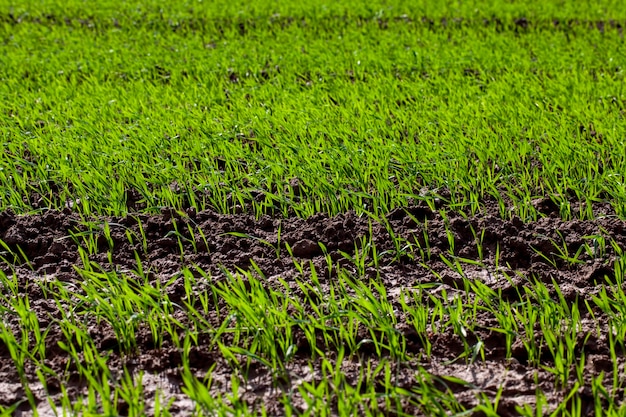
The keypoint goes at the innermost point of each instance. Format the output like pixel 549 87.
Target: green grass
pixel 291 109
pixel 317 109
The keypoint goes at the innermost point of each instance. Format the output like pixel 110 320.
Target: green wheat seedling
pixel 200 238
pixel 27 342
pixel 418 313
pixel 181 240
pixel 142 232
pixel 596 248
pixel 90 362
pixel 479 239
pixel 561 345
pixel 132 237
pixel 488 407
pixel 562 253
pixel 364 257
pixel 507 325
pixel 198 304
pixel 408 247
pixel 111 296
pixel 130 390
pixel 198 390
pixel 610 300
pixel 373 309
pixel 13 257
pixel 260 317
pixel 449 234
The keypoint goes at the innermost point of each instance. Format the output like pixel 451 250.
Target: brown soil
pixel 44 241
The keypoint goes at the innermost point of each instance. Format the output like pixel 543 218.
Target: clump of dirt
pixel 414 244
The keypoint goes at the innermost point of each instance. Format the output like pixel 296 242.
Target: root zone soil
pixel 511 252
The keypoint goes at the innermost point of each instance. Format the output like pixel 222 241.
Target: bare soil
pixel 45 242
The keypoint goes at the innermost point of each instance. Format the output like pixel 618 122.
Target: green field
pixel 289 110
pixel 366 106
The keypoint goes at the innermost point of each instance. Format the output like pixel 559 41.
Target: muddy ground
pixel 44 241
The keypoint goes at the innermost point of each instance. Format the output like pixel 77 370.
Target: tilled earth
pixel 510 248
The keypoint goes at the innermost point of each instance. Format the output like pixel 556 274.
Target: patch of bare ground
pixel 505 255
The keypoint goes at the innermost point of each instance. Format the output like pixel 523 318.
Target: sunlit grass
pixel 311 115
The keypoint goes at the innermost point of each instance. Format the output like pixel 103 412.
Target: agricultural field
pixel 312 208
